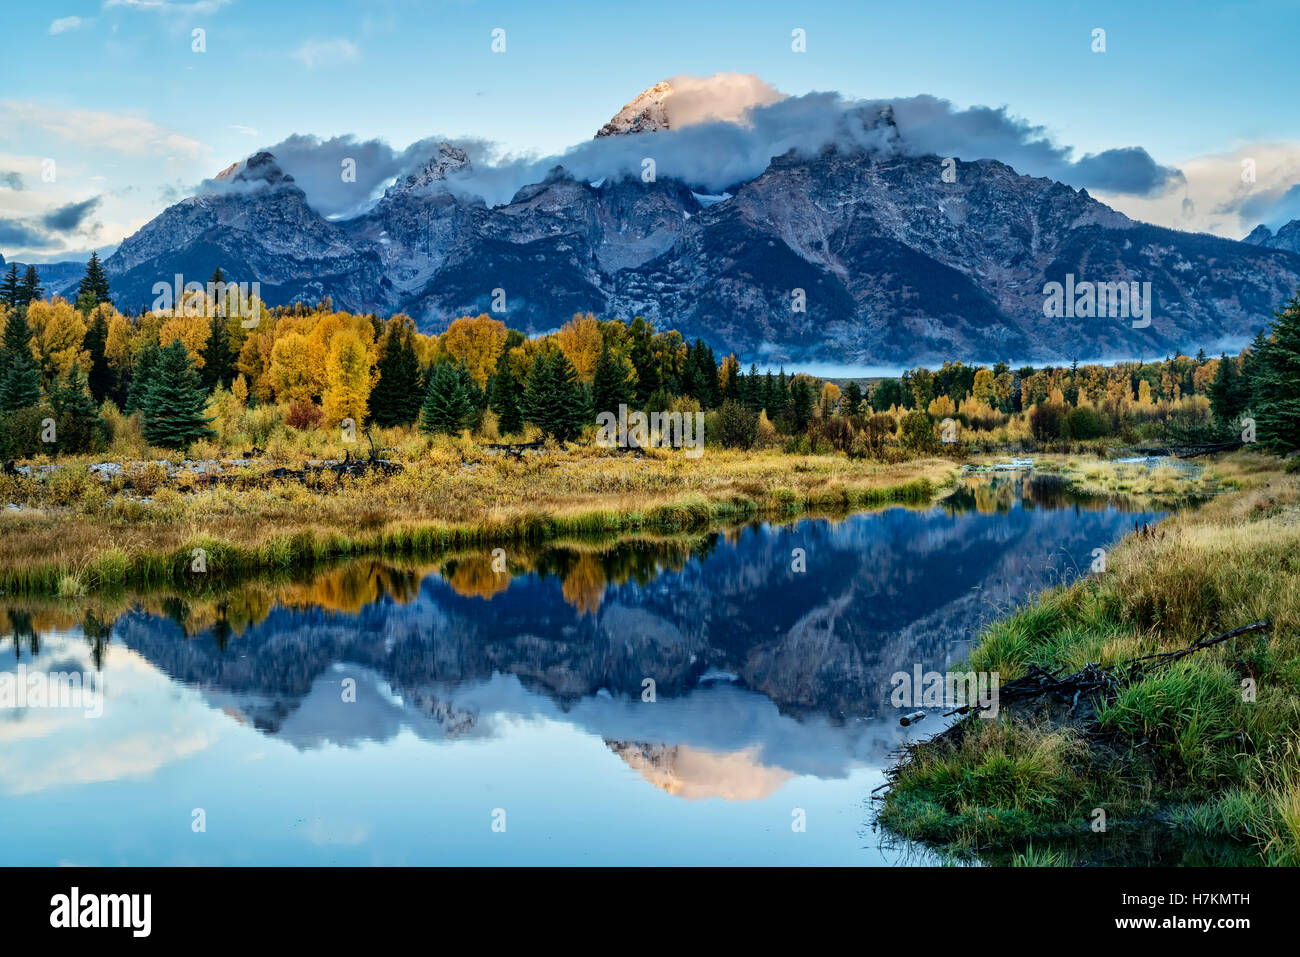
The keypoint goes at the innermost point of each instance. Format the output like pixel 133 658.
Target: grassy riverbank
pixel 1208 747
pixel 76 533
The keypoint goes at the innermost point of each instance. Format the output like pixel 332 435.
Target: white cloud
pixel 246 130
pixel 122 133
pixel 167 7
pixel 326 51
pixel 64 24
pixel 1217 198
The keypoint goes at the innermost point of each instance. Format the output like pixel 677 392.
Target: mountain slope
pixel 895 264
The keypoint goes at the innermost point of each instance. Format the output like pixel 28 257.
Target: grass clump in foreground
pixel 1208 746
pixel 77 534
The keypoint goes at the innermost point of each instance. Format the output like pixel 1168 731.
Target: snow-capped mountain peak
pixel 645 114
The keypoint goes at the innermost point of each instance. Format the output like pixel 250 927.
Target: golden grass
pixel 82 536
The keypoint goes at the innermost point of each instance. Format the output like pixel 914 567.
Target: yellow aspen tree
pixel 580 341
pixel 476 342
pixel 349 377
pixel 58 334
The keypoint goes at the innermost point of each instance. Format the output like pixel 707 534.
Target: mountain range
pixel 849 254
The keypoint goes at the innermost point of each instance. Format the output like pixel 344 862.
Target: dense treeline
pixel 226 370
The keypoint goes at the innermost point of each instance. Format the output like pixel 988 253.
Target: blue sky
pixel 134 118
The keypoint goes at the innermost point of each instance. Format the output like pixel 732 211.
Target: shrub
pixel 303 414
pixel 736 426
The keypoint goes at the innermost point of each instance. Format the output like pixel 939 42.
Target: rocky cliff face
pixel 864 255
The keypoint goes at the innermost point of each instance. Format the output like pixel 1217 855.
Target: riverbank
pixel 1207 746
pixel 76 533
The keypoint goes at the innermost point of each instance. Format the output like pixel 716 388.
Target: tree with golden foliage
pixel 349 377
pixel 580 341
pixel 477 343
pixel 291 374
pixel 58 333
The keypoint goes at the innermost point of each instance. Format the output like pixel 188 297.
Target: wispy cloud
pixel 64 24
pixel 167 6
pixel 338 50
pixel 122 133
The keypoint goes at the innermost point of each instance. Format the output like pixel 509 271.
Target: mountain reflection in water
pixel 334 719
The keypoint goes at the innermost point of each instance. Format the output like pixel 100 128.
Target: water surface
pixel 454 714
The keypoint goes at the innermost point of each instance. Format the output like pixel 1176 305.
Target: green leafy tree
pixel 173 412
pixel 447 404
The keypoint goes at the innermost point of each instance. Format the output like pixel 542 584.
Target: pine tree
pixel 78 426
pixel 800 409
pixel 1276 405
pixel 447 403
pixel 100 376
pixel 218 356
pixel 10 287
pixel 20 377
pixel 644 361
pixel 173 410
pixel 396 398
pixel 20 383
pixel 852 397
pixel 143 375
pixel 31 289
pixel 506 399
pixel 554 400
pixel 610 387
pixel 93 286
pixel 1228 397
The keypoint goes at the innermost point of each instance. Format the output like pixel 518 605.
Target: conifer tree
pixel 99 376
pixel 610 387
pixel 20 377
pixel 507 399
pixel 142 378
pixel 173 413
pixel 801 405
pixel 93 287
pixel 1276 386
pixel 30 288
pixel 218 356
pixel 10 287
pixel 554 400
pixel 78 427
pixel 396 398
pixel 447 403
pixel 852 397
pixel 20 383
